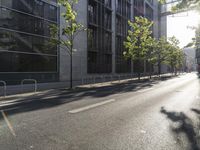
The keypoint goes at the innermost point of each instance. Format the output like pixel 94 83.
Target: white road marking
pixel 50 97
pixel 8 123
pixel 145 90
pixel 90 106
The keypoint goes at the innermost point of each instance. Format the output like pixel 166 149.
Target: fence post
pixel 82 80
pixel 111 79
pixel 35 82
pixel 94 80
pixel 5 88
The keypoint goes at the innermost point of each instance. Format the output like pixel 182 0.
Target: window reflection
pixel 16 21
pixel 35 7
pixel 14 41
pixel 15 62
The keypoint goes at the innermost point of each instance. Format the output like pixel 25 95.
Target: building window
pixel 18 62
pixel 92 12
pixel 149 12
pixel 108 3
pixel 108 41
pixel 107 19
pixel 26 46
pixel 99 36
pixel 34 7
pixel 24 23
pixel 138 7
pixel 123 9
pixel 92 39
pixel 119 6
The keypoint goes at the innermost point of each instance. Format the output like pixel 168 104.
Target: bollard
pixel 4 84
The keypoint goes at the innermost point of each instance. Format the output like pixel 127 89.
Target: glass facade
pixel 99 36
pixel 25 43
pixel 123 14
pixel 100 33
pixel 138 7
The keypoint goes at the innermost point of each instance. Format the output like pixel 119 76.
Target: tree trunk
pixel 139 74
pixel 159 69
pixel 150 71
pixel 175 71
pixel 71 65
pixel 71 80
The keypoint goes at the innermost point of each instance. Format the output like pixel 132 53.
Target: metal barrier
pixel 5 88
pixel 119 78
pixel 92 80
pixel 29 80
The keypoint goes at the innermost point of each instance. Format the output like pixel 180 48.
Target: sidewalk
pixel 83 88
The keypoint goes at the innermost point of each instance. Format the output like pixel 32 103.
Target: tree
pixel 69 31
pixel 175 55
pixel 161 51
pixel 151 53
pixel 183 5
pixel 137 40
pixel 181 58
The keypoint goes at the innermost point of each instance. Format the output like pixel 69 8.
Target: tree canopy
pixel 137 41
pixel 184 5
pixel 141 46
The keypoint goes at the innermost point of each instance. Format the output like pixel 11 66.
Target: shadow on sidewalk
pixel 56 98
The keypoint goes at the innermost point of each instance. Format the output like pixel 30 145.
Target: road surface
pixel 158 115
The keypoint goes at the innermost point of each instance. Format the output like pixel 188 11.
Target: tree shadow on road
pixel 49 99
pixel 57 98
pixel 185 125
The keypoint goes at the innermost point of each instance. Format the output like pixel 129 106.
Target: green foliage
pixel 187 4
pixel 197 37
pixel 162 1
pixel 184 5
pixel 175 56
pixel 162 50
pixel 70 29
pixel 151 50
pixel 139 41
pixel 138 38
pixel 140 46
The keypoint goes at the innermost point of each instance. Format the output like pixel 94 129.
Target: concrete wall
pixel 156 19
pixel 113 36
pixel 80 54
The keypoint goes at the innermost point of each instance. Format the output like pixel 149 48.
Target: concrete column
pixel 80 46
pixel 113 36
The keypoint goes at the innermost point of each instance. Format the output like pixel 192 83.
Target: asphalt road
pixel 157 115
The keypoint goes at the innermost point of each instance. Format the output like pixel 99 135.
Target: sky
pixel 177 26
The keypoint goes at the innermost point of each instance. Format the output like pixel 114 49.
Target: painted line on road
pixel 145 90
pixel 90 106
pixel 8 123
pixel 50 97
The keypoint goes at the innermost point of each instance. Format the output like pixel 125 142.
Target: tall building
pixel 25 43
